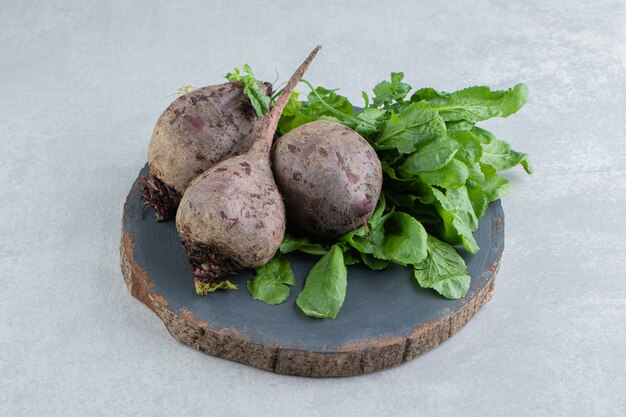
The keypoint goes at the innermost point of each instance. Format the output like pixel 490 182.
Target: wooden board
pixel 386 318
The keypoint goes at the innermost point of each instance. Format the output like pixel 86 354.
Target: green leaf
pixel 325 287
pixel 494 186
pixel 461 233
pixel 321 104
pixel 291 243
pixel 431 157
pixel 366 99
pixel 373 263
pixel 404 242
pixel 378 217
pixel 350 256
pixel 392 178
pixel 478 198
pixel 499 155
pixel 413 126
pixel 252 89
pixel 464 219
pixel 451 176
pixel 293 106
pixel 368 121
pixel 443 270
pixel 457 214
pixel 483 135
pixel 430 95
pixel 459 126
pixel 270 282
pixel 363 239
pixel 260 101
pixel 453 286
pixel 328 98
pixel 414 205
pixel 292 115
pixel 470 149
pixel 474 104
pixel 387 92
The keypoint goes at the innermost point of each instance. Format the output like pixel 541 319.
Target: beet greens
pixel 440 174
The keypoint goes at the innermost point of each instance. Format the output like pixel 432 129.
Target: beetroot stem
pixel 270 121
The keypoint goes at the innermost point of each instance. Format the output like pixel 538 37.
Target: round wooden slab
pixel 386 318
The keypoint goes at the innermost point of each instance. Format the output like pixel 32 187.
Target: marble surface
pixel 82 85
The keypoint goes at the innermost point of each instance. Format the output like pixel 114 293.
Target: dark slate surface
pixel 378 303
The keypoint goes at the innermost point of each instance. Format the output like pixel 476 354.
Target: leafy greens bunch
pixel 440 174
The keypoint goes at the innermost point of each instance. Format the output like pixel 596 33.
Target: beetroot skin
pixel 329 176
pixel 196 131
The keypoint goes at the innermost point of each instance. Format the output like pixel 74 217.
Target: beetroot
pixel 329 176
pixel 198 130
pixel 232 216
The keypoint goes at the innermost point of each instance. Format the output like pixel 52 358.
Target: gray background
pixel 81 86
